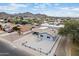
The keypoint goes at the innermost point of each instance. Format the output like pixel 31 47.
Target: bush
pixel 24 22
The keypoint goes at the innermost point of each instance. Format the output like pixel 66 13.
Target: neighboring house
pixel 52 26
pixel 1 20
pixel 59 21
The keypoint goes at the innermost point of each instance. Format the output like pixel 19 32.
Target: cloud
pixel 56 4
pixel 12 7
pixel 4 8
pixel 40 7
pixel 75 9
pixel 18 5
pixel 65 8
pixel 65 12
pixel 70 8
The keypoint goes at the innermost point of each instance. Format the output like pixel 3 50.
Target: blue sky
pixel 51 9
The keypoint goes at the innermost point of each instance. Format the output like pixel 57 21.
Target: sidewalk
pixel 5 34
pixel 55 47
pixel 68 48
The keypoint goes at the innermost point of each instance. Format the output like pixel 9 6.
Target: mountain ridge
pixel 31 15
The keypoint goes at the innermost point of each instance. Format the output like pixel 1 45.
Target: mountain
pixel 29 15
pixel 5 15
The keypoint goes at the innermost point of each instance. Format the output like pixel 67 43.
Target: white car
pixel 9 30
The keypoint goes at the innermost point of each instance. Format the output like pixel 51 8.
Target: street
pixel 8 50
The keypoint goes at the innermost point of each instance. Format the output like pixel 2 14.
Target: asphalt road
pixel 8 50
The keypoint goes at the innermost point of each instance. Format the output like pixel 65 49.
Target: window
pixel 41 35
pixel 48 37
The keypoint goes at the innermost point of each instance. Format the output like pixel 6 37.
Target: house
pixel 52 26
pixel 1 20
pixel 60 21
pixel 45 33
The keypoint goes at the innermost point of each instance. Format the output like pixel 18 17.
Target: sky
pixel 50 9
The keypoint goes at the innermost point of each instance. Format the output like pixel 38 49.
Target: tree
pixel 21 17
pixel 30 21
pixel 1 27
pixel 71 30
pixel 16 28
pixel 24 22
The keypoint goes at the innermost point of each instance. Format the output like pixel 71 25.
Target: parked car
pixel 9 30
